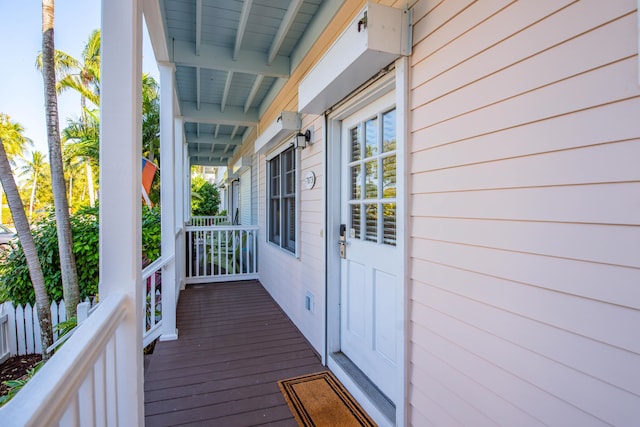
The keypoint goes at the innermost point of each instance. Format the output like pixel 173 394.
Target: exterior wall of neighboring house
pixel 247 182
pixel 245 197
pixel 524 209
pixel 288 277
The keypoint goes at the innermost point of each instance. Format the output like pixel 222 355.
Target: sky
pixel 21 85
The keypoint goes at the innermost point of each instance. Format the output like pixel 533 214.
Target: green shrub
pixel 151 238
pixel 207 198
pixel 15 283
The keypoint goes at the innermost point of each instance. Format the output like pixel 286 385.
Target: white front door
pixel 371 270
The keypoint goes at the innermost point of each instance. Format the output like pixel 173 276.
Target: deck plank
pixel 234 344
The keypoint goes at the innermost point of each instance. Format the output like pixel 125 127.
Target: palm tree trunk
pixel 92 193
pixel 71 189
pixel 70 288
pixel 29 247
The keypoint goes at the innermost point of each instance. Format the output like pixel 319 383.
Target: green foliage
pixel 14 386
pixel 85 229
pixel 63 328
pixel 207 201
pixel 15 283
pixel 151 238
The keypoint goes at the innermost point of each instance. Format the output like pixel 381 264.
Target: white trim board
pixel 394 80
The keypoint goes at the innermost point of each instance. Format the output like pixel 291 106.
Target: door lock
pixel 343 241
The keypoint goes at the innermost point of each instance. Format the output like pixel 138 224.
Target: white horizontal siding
pixel 594 126
pixel 507 308
pixel 534 106
pixel 447 380
pixel 584 204
pixel 504 42
pixel 613 162
pixel 575 277
pixel 509 390
pixel 616 245
pixel 287 277
pixel 525 213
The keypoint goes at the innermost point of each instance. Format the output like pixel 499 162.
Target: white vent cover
pixel 286 124
pixel 378 36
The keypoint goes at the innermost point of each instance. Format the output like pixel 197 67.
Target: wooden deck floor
pixel 234 345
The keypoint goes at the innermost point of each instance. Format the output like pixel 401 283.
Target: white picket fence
pixel 20 330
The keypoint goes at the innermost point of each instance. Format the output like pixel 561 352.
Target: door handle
pixel 343 241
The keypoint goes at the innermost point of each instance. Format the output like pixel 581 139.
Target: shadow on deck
pixel 234 344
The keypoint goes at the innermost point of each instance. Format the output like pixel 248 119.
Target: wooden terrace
pixel 234 344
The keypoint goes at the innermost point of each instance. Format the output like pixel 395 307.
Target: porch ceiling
pixel 230 57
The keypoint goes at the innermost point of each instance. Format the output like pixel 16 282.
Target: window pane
pixel 356 220
pixel 389 224
pixel 389 131
pixel 356 144
pixel 371 233
pixel 289 172
pixel 356 188
pixel 274 221
pixel 371 137
pixel 389 177
pixel 371 179
pixel 289 226
pixel 274 170
pixel 289 183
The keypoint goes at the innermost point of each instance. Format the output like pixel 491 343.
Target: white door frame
pixel 395 80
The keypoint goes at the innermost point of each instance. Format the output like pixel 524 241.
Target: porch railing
pixel 152 301
pixel 208 221
pixel 78 385
pixel 221 253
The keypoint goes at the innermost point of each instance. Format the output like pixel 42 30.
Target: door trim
pixel 396 79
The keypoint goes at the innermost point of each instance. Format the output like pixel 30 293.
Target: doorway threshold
pixel 375 397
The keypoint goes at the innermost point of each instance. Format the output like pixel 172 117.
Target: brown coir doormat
pixel 320 400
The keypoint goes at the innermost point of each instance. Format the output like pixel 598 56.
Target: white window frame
pixel 279 150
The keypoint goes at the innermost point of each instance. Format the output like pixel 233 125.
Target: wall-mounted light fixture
pixel 302 139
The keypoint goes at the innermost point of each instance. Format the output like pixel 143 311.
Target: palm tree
pixel 33 169
pixel 70 288
pixel 77 151
pixel 83 76
pixel 11 136
pixel 82 140
pixel 15 141
pixel 12 133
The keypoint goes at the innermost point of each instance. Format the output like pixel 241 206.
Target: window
pixel 282 200
pixel 372 191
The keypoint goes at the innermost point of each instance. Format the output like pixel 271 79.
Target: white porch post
pixel 179 162
pixel 121 200
pixel 187 181
pixel 179 201
pixel 167 177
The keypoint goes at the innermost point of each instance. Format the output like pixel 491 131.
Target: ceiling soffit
pixel 229 55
